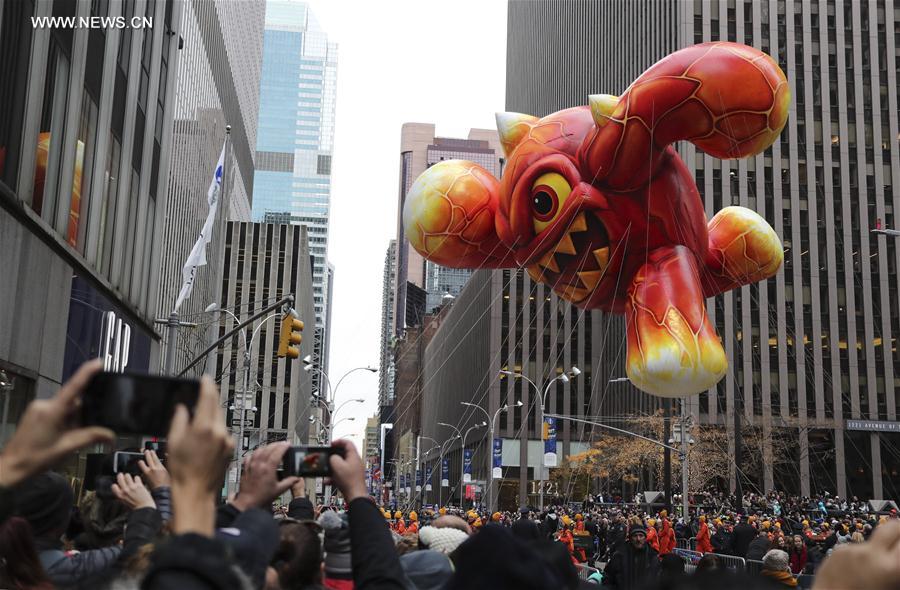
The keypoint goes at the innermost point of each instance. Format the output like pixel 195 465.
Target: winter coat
pixel 703 543
pixel 70 568
pixel 798 559
pixel 630 568
pixel 741 538
pixel 758 548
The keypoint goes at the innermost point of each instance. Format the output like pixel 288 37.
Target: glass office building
pixel 292 183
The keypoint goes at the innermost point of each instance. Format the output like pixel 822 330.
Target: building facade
pixel 420 284
pixel 813 355
pixel 296 135
pixel 217 85
pixel 265 262
pixel 85 139
pixel 386 355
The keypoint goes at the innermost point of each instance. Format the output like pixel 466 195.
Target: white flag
pixel 197 256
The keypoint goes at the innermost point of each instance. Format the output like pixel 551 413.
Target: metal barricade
pixel 585 572
pixel 753 566
pixel 689 544
pixel 689 557
pixel 737 564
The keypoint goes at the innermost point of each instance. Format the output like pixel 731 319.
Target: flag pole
pixel 197 257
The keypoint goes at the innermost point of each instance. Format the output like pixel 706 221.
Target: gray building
pixel 217 85
pixel 386 355
pixel 813 356
pixel 265 262
pixel 85 140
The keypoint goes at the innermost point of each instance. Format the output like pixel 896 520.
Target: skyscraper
pixel 217 85
pixel 386 357
pixel 813 355
pixel 265 262
pixel 296 135
pixel 420 284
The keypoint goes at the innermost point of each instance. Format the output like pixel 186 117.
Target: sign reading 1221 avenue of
pixel 873 425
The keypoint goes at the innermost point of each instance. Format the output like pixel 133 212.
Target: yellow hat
pixel 651 522
pixel 766 524
pixel 566 520
pixel 579 517
pixel 442 511
pixel 702 518
pixel 398 514
pixel 387 514
pixel 751 519
pixel 495 517
pixel 778 524
pixel 717 522
pixel 663 513
pixel 805 523
pixel 413 516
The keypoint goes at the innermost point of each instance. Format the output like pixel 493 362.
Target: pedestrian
pixel 704 544
pixel 632 565
pixel 776 567
pixel 798 555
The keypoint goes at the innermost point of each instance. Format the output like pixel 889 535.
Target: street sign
pixel 237 422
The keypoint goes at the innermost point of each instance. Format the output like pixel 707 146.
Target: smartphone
pixel 308 461
pixel 130 403
pixel 157 445
pixel 127 462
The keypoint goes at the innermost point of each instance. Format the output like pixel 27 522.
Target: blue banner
pixel 498 457
pixel 428 471
pixel 418 480
pixel 402 481
pixel 467 465
pixel 549 436
pixel 445 473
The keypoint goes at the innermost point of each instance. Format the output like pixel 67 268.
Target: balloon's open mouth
pixel 577 263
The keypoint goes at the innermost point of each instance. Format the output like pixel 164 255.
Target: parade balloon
pixel 596 203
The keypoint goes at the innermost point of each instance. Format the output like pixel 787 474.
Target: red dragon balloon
pixel 595 203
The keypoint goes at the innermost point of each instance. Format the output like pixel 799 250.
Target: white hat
pixel 444 540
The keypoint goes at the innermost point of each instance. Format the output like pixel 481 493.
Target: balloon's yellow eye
pixel 548 195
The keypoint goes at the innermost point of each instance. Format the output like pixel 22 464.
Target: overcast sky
pixel 441 62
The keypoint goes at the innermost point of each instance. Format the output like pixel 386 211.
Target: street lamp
pixel 444 448
pixel 541 396
pixel 462 459
pixel 683 452
pixel 493 423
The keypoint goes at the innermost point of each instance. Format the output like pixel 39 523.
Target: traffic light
pixel 288 345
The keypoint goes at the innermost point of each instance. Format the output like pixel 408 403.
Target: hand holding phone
pixel 136 404
pixel 308 461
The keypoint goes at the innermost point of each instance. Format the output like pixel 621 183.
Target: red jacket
pixel 653 538
pixel 703 543
pixel 798 560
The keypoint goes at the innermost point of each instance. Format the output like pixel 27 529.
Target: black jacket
pixel 758 548
pixel 630 568
pixel 741 537
pixel 375 562
pixel 66 570
pixel 192 562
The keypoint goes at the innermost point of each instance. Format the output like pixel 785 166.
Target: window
pixel 81 178
pixel 49 139
pixel 15 51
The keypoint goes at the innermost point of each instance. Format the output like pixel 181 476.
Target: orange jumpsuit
pixel 412 528
pixel 567 538
pixel 400 526
pixel 666 538
pixel 704 545
pixel 653 538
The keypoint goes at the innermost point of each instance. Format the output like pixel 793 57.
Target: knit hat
pixel 495 517
pixel 427 570
pixel 337 543
pixel 651 522
pixel 777 560
pixel 45 501
pixel 442 540
pixel 442 511
pixel 413 516
pixel 636 528
pixel 398 514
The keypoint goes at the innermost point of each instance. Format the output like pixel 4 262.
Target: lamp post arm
pixel 607 426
